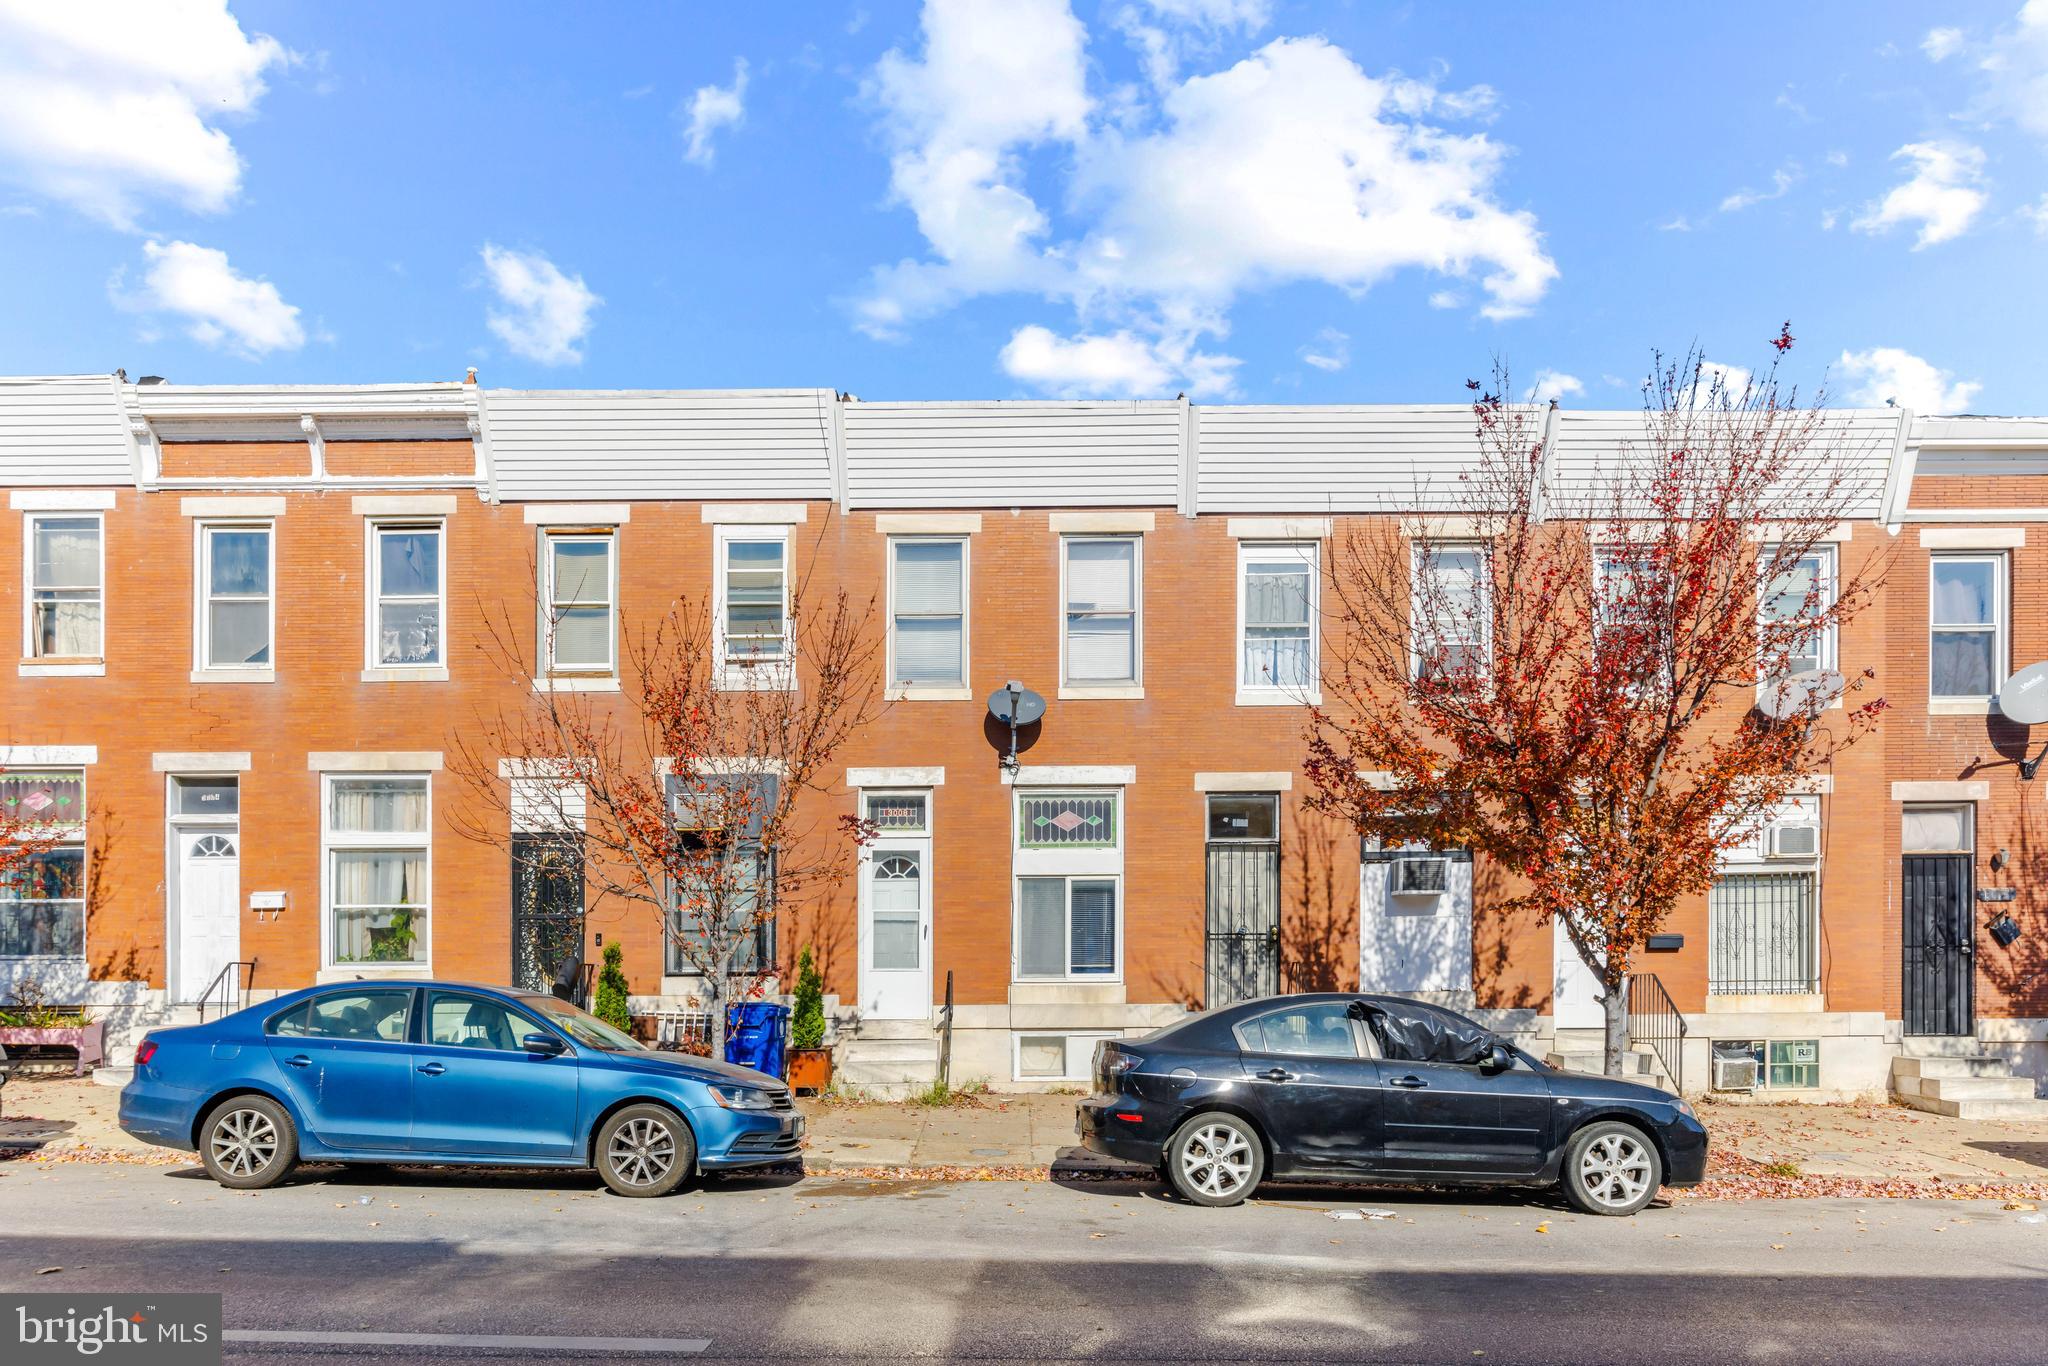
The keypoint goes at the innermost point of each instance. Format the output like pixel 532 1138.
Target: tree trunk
pixel 1614 1001
pixel 714 992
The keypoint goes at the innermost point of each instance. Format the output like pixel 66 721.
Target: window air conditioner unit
pixel 1794 839
pixel 1421 876
pixel 1736 1067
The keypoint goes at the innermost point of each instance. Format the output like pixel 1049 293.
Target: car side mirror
pixel 547 1045
pixel 1496 1059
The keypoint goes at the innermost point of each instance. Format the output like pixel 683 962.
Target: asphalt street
pixel 377 1264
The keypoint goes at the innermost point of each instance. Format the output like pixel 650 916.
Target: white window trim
pixel 1105 690
pixel 2000 630
pixel 375 671
pixel 963 690
pixel 1831 559
pixel 331 841
pixel 203 669
pixel 736 677
pixel 1251 694
pixel 69 833
pixel 573 674
pixel 1089 1037
pixel 1098 863
pixel 1069 975
pixel 33 664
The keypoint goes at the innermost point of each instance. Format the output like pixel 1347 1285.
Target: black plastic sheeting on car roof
pixel 1419 1034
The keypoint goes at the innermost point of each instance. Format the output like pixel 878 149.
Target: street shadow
pixel 1302 1193
pixel 2033 1154
pixel 419 1176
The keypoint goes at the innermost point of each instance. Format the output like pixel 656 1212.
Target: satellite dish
pixel 1805 693
pixel 1013 704
pixel 2024 698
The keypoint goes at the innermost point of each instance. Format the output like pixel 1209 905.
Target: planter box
pixel 89 1039
pixel 810 1069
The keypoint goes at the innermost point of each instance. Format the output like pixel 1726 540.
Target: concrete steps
pixel 1638 1064
pixel 1941 1078
pixel 888 1057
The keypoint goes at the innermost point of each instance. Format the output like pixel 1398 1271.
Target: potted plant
pixel 810 1062
pixel 32 1020
pixel 610 1005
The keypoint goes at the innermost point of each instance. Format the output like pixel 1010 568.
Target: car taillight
pixel 1112 1065
pixel 145 1052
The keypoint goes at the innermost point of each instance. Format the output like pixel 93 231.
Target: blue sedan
pixel 447 1073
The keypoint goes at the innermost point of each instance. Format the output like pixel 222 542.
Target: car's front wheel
pixel 1611 1168
pixel 248 1142
pixel 1215 1159
pixel 645 1150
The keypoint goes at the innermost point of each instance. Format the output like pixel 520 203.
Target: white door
pixel 1415 923
pixel 209 928
pixel 896 933
pixel 1575 999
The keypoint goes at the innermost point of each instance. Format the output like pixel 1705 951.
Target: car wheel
pixel 645 1150
pixel 1611 1168
pixel 1215 1160
pixel 248 1142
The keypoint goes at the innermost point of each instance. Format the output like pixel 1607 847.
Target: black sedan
pixel 1378 1088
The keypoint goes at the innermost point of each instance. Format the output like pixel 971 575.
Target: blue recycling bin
pixel 757 1036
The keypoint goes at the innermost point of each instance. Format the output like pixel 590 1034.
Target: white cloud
pixel 1838 158
pixel 1553 384
pixel 220 308
pixel 1115 365
pixel 1886 373
pixel 1676 223
pixel 546 314
pixel 1940 44
pixel 2013 72
pixel 1166 33
pixel 1782 181
pixel 1446 298
pixel 714 107
pixel 1943 195
pixel 1292 165
pixel 2037 214
pixel 110 105
pixel 1331 350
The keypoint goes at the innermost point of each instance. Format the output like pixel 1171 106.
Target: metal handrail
pixel 1662 1025
pixel 232 983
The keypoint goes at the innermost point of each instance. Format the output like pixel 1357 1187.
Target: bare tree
pixel 1604 688
pixel 695 790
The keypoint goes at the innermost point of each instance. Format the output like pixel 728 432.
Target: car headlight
pixel 741 1098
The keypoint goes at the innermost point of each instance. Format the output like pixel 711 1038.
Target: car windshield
pixel 584 1027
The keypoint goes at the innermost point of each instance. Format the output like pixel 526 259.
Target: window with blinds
pixel 1102 609
pixel 928 611
pixel 1067 927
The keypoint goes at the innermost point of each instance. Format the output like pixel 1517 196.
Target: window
pixel 1807 586
pixel 407 579
pixel 376 1015
pixel 206 797
pixel 721 898
pixel 897 812
pixel 1966 614
pixel 379 869
pixel 1762 934
pixel 1067 927
pixel 473 1022
pixel 896 888
pixel 753 597
pixel 42 898
pixel 1451 611
pixel 1794 1063
pixel 1100 644
pixel 1319 1031
pixel 928 610
pixel 1056 1057
pixel 235 572
pixel 1938 830
pixel 1276 618
pixel 1054 822
pixel 577 627
pixel 65 576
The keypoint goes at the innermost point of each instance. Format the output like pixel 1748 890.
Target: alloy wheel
pixel 1217 1160
pixel 1614 1170
pixel 642 1151
pixel 244 1142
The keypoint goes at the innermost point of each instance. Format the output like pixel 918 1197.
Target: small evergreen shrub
pixel 611 989
pixel 807 1012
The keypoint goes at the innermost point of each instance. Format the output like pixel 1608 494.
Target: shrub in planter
pixel 610 1005
pixel 810 1062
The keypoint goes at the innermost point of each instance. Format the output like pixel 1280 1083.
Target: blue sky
pixel 1259 200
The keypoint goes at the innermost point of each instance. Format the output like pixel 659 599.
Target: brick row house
pixel 255 624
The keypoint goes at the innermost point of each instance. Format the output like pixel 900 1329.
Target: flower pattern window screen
pixel 65 601
pixel 1054 822
pixel 408 596
pixel 1279 633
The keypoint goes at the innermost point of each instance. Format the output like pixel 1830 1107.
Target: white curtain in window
pixel 1276 624
pixel 67 552
pixel 1042 927
pixel 380 905
pixel 1936 830
pixel 67 587
pixel 379 806
pixel 1099 575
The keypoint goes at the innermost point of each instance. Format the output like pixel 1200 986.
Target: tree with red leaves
pixel 693 792
pixel 1604 683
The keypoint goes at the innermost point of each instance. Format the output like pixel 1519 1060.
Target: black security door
pixel 547 908
pixel 1938 972
pixel 1243 852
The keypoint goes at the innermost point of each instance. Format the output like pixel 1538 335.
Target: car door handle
pixel 433 1069
pixel 1277 1074
pixel 1409 1083
pixel 300 1060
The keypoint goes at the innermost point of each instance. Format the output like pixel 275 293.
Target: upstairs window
pixel 407 565
pixel 1966 616
pixel 66 601
pixel 1276 613
pixel 235 622
pixel 1101 637
pixel 581 583
pixel 753 597
pixel 1449 607
pixel 928 610
pixel 1805 588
